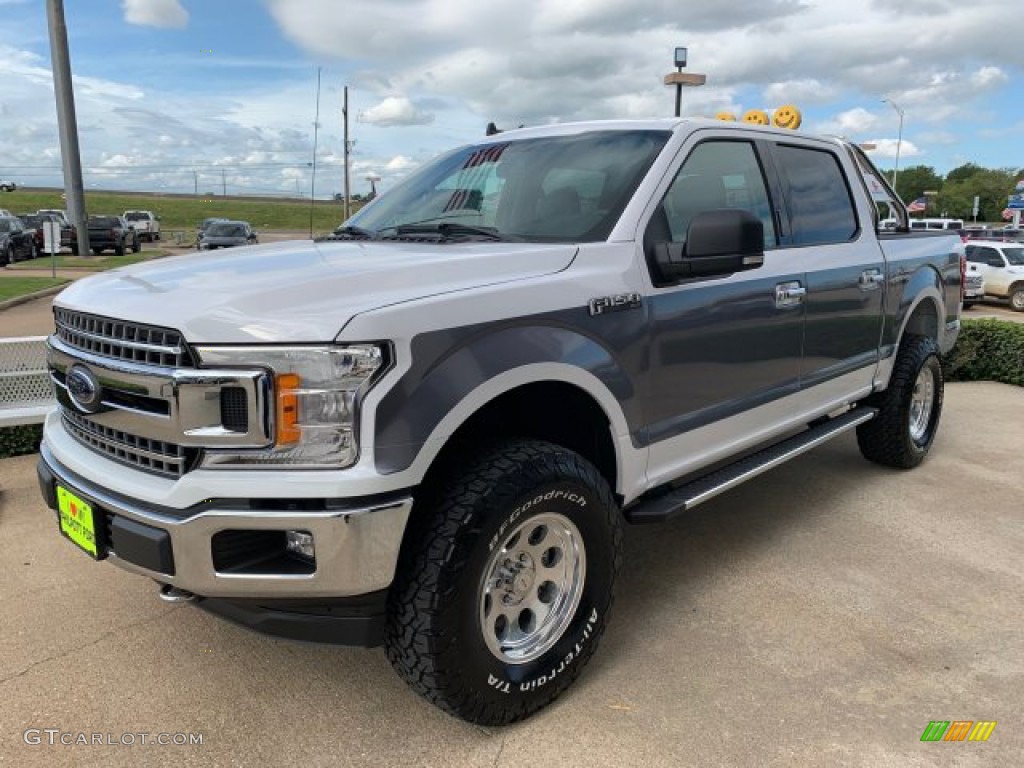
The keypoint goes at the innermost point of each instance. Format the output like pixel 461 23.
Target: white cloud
pixel 799 92
pixel 987 77
pixel 887 148
pixel 396 110
pixel 851 123
pixel 155 13
pixel 400 163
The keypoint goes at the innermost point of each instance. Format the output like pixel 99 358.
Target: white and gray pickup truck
pixel 428 430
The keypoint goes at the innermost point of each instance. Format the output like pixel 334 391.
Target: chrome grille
pixel 121 340
pixel 156 456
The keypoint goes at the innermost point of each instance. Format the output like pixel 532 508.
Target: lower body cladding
pixel 314 570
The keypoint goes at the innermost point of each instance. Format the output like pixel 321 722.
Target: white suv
pixel 1002 267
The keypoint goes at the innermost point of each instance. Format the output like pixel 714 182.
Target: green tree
pixel 913 182
pixel 990 185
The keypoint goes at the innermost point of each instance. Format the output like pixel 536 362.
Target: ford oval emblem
pixel 84 389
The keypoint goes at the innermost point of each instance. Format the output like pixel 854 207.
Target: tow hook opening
pixel 171 594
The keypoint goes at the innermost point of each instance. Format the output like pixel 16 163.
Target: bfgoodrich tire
pixel 505 582
pixel 908 410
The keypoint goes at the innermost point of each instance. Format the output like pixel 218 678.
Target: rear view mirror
pixel 719 242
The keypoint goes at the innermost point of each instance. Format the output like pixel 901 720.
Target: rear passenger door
pixel 834 242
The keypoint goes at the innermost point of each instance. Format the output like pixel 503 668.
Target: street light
pixel 680 78
pixel 899 138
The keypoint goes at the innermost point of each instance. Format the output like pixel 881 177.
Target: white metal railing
pixel 25 393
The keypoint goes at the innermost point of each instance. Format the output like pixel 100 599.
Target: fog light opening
pixel 300 544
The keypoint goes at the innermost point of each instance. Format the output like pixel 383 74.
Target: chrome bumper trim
pixel 356 547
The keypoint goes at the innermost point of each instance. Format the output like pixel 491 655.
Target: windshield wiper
pixel 351 232
pixel 447 231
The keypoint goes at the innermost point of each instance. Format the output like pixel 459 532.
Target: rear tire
pixel 8 256
pixel 505 582
pixel 902 433
pixel 136 246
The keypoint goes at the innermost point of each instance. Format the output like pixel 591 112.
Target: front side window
pixel 718 174
pixel 551 189
pixel 820 204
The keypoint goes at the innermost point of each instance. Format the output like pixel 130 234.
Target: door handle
pixel 789 295
pixel 871 279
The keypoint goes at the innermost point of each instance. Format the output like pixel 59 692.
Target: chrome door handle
pixel 789 294
pixel 871 279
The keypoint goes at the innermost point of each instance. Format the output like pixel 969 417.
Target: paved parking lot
pixel 820 615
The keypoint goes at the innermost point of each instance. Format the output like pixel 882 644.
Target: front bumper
pixel 356 541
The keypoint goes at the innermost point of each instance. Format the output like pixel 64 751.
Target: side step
pixel 686 497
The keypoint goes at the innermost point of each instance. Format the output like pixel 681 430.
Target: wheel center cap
pixel 519 575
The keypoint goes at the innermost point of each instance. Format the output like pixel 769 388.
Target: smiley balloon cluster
pixel 786 116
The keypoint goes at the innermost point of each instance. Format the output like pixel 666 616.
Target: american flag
pixel 918 205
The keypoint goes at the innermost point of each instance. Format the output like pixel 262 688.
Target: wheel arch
pixel 555 402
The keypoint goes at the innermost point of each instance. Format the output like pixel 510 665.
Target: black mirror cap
pixel 725 232
pixel 719 243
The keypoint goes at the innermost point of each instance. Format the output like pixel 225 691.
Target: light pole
pixel 680 78
pixel 899 138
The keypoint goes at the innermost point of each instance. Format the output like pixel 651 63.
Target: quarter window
pixel 820 205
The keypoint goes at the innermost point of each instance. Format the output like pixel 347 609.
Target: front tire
pixel 1017 298
pixel 136 245
pixel 505 582
pixel 902 433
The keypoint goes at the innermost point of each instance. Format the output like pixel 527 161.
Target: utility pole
pixel 195 179
pixel 67 124
pixel 316 133
pixel 348 150
pixel 224 181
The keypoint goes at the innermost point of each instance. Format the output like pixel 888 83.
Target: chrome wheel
pixel 531 588
pixel 921 403
pixel 1017 300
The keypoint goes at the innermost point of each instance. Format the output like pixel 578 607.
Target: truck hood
pixel 299 291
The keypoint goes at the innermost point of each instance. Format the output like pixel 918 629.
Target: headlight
pixel 316 401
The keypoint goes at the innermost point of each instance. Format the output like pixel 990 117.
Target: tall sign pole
pixel 67 124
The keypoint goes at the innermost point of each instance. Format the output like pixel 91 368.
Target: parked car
pixel 206 224
pixel 1002 267
pixel 16 242
pixel 7 186
pixel 146 223
pixel 430 432
pixel 112 233
pixel 225 234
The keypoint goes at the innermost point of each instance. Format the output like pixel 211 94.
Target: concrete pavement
pixel 820 615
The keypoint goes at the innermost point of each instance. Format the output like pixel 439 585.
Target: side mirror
pixel 718 243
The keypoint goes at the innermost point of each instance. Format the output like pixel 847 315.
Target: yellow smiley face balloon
pixel 787 116
pixel 727 116
pixel 756 116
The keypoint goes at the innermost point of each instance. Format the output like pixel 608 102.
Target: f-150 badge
pixel 617 303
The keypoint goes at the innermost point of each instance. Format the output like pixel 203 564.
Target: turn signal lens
pixel 288 431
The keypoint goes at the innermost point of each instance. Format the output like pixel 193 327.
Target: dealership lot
pixel 820 615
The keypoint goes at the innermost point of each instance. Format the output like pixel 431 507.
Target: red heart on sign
pixel 74 510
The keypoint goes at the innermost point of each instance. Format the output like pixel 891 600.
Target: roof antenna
pixel 492 129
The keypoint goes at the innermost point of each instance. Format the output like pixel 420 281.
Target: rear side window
pixel 820 205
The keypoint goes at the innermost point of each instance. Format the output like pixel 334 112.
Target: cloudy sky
pixel 175 93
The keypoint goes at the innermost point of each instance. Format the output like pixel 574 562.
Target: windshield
pixel 226 230
pixel 1015 256
pixel 6 225
pixel 135 216
pixel 104 221
pixel 559 188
